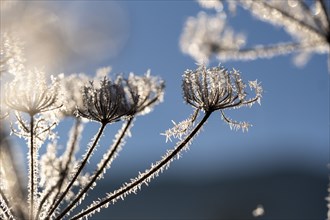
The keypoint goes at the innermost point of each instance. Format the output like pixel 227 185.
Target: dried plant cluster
pixel 209 36
pixel 34 105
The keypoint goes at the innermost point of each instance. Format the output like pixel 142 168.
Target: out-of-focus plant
pixel 306 22
pixel 57 182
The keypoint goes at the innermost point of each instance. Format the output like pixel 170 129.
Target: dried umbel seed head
pixel 108 103
pixel 71 93
pixel 150 90
pixel 30 93
pixel 216 88
pixel 11 54
pixel 207 35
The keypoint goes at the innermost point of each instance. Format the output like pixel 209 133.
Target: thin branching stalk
pixel 153 170
pixel 33 165
pixel 326 13
pixel 5 205
pixel 14 205
pixel 64 173
pixel 82 165
pixel 113 150
pixel 290 17
pixel 268 50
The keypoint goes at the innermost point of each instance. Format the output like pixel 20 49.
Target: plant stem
pixel 5 205
pixel 290 17
pixel 267 50
pixel 13 184
pixel 99 171
pixel 82 165
pixel 64 173
pixel 32 185
pixel 149 173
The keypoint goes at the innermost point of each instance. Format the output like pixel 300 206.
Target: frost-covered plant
pixel 214 89
pixel 306 22
pixel 206 35
pixel 11 54
pixel 57 181
pixel 122 99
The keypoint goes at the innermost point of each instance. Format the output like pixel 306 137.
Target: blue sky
pixel 290 128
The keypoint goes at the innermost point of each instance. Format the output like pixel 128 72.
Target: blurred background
pixel 280 163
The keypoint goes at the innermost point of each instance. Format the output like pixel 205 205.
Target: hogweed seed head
pixel 31 94
pixel 12 58
pixel 207 35
pixel 107 103
pixel 71 93
pixel 150 90
pixel 306 22
pixel 216 88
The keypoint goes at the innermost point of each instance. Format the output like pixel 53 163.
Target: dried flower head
pixel 11 54
pixel 206 35
pixel 71 93
pixel 216 88
pixel 212 89
pixel 150 90
pixel 108 103
pixel 306 23
pixel 30 93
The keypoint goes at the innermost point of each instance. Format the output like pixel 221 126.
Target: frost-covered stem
pixel 32 186
pixel 100 170
pixel 287 15
pixel 149 173
pixel 82 165
pixel 324 8
pixel 14 189
pixel 4 204
pixel 267 51
pixel 64 173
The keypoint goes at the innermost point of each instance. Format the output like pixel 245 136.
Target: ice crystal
pixel 181 129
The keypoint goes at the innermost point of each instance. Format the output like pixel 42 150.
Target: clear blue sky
pixel 290 128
